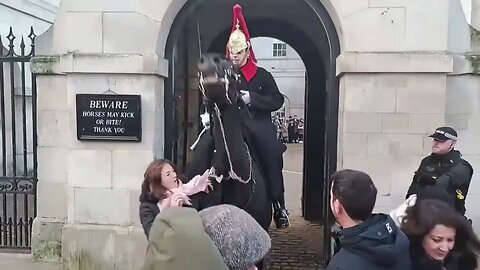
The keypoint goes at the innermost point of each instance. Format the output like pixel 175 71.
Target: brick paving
pixel 297 247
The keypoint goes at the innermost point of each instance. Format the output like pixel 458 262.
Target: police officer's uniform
pixel 449 171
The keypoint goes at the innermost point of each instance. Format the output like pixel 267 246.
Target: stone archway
pixel 318 45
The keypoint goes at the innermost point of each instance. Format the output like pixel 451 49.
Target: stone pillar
pixel 475 14
pixel 389 104
pixel 463 114
pixel 88 190
pixel 462 107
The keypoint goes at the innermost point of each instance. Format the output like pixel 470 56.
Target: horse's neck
pixel 229 131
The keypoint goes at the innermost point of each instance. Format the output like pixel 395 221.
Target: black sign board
pixel 108 117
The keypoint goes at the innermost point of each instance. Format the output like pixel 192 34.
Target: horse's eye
pixel 216 60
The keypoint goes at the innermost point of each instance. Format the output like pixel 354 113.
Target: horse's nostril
pixel 216 60
pixel 202 60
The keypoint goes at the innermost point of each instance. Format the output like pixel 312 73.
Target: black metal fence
pixel 18 144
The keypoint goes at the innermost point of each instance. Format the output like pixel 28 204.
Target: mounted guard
pixel 262 97
pixel 259 97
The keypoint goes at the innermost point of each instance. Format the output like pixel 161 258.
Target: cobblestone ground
pixel 297 247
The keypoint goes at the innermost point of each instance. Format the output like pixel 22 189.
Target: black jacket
pixel 148 210
pixel 265 98
pixel 449 172
pixel 376 244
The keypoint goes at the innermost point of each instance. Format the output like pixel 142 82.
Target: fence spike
pixel 11 38
pixel 22 46
pixel 32 37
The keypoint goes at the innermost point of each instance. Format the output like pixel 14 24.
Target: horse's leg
pixel 260 206
pixel 215 195
pixel 232 195
pixel 204 200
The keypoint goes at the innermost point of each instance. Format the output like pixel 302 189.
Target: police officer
pixel 444 168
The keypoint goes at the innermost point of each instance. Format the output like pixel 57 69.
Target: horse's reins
pixel 232 173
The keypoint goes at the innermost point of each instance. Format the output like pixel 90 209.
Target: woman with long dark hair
pixel 441 238
pixel 163 187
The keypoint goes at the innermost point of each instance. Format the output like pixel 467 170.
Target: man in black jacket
pixel 368 241
pixel 444 168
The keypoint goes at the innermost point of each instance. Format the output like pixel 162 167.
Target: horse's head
pixel 217 79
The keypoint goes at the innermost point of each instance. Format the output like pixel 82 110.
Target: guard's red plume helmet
pixel 239 37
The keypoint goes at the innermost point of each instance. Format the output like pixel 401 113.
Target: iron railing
pixel 18 170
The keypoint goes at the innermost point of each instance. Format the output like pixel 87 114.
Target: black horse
pixel 236 177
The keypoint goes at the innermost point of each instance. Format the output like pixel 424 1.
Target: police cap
pixel 444 134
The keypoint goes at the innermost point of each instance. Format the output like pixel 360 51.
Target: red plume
pixel 238 14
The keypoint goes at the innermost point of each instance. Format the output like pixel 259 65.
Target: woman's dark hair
pixel 435 192
pixel 426 214
pixel 153 178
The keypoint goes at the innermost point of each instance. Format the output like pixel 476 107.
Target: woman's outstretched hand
pixel 199 183
pixel 179 196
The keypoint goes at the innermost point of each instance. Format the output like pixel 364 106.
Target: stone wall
pixel 386 114
pixel 408 77
pixel 463 113
pixel 396 87
pixel 88 191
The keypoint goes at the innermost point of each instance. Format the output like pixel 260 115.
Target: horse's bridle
pixel 224 80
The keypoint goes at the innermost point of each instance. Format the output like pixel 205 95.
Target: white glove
pixel 205 117
pixel 398 214
pixel 245 96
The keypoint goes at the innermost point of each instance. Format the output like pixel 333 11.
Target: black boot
pixel 280 215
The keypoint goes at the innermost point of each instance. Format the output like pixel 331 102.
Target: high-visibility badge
pixel 460 195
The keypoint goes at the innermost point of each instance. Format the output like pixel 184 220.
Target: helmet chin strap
pixel 244 61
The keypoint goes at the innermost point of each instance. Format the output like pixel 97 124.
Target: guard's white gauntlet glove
pixel 205 117
pixel 245 96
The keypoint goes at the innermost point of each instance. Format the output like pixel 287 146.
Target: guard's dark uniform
pixel 449 171
pixel 265 99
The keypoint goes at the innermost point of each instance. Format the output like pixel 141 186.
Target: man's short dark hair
pixel 356 192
